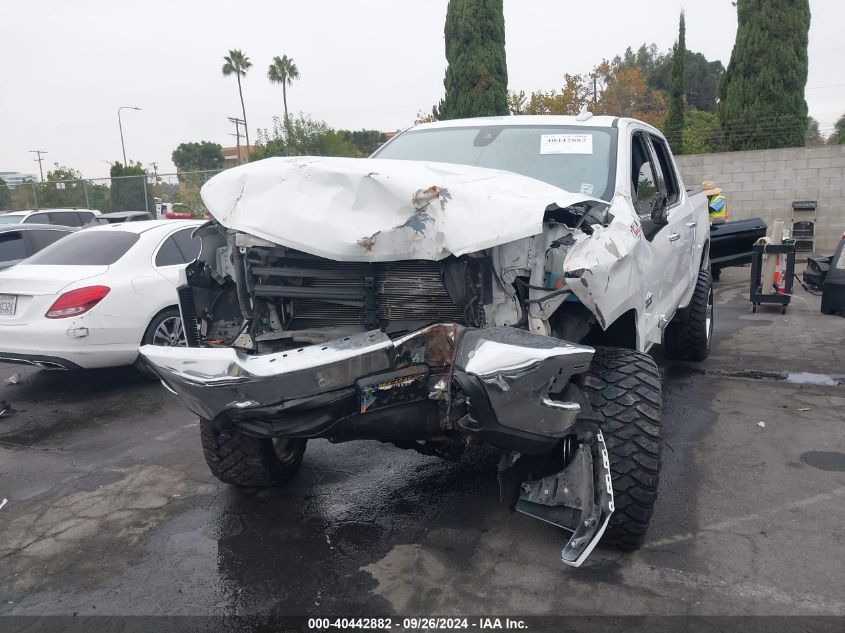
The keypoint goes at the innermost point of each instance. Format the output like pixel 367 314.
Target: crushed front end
pixel 284 344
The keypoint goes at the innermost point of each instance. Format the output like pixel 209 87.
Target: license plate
pixel 8 304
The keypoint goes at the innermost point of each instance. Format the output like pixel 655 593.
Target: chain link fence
pixel 152 192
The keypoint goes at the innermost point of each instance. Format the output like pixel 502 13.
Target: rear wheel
pixel 251 462
pixel 166 330
pixel 688 336
pixel 623 387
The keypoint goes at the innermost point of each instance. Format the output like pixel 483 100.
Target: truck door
pixel 681 226
pixel 655 260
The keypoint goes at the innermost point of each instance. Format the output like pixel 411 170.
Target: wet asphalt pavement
pixel 111 508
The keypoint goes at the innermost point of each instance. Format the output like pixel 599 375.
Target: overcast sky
pixel 69 64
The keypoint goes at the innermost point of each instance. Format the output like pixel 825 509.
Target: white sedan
pixel 92 298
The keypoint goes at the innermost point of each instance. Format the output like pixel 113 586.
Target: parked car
pixel 508 299
pixel 116 217
pixel 92 299
pixel 61 217
pixel 19 241
pixel 731 242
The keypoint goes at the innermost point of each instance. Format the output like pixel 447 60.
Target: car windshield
pixel 10 218
pixel 86 248
pixel 576 158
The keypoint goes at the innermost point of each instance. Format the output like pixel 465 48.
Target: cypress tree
pixel 477 75
pixel 675 118
pixel 762 93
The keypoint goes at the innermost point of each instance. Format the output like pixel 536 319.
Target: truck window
pixel 670 177
pixel 645 184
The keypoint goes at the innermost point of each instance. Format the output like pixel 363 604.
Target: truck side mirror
pixel 660 209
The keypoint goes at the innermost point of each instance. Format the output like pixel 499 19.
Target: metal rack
pixel 756 294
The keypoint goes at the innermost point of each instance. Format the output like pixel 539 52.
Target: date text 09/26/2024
pixel 415 623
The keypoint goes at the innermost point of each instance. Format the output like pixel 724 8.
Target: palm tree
pixel 237 63
pixel 283 71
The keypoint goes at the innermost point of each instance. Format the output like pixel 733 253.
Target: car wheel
pixel 689 335
pixel 247 461
pixel 623 387
pixel 166 330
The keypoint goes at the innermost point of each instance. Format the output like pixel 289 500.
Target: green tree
pixel 838 136
pixel 476 79
pixel 5 196
pixel 129 190
pixel 813 135
pixel 762 93
pixel 304 136
pixel 701 132
pixel 675 117
pixel 238 64
pixel 283 71
pixel 701 77
pixel 202 156
pixel 365 141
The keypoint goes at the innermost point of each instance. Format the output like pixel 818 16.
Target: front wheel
pixel 247 461
pixel 689 334
pixel 623 387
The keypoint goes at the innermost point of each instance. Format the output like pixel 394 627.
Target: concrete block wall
pixel 764 183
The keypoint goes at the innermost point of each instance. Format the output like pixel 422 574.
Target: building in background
pixel 14 178
pixel 230 156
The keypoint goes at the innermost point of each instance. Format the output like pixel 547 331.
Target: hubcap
pixel 169 333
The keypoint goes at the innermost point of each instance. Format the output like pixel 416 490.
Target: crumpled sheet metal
pixel 357 209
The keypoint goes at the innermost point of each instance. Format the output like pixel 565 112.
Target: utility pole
pixel 120 125
pixel 38 160
pixel 238 123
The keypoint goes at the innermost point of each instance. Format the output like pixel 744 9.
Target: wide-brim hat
pixel 710 188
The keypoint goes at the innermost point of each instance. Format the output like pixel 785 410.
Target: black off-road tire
pixel 250 462
pixel 623 387
pixel 690 339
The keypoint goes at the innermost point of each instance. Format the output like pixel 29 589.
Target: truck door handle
pixel 692 224
pixel 674 237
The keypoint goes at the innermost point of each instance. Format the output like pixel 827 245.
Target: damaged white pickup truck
pixel 491 281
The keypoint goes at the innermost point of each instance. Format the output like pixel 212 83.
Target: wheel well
pixel 621 333
pixel 705 256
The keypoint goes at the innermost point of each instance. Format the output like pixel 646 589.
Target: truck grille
pixel 325 293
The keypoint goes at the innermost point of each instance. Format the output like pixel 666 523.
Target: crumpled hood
pixel 361 209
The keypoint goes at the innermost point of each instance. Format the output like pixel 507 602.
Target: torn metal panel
pixel 353 209
pixel 578 498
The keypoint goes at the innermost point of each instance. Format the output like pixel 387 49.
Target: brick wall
pixel 764 183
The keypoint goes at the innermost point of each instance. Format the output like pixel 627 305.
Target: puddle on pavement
pixel 806 378
pixel 825 460
pixel 797 378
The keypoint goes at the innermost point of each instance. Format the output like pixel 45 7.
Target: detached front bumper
pixel 506 374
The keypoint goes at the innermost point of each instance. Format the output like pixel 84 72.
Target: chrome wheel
pixel 708 317
pixel 169 333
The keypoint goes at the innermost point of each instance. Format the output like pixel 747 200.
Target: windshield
pixel 11 218
pixel 576 158
pixel 86 248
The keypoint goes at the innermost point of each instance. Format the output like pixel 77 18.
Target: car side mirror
pixel 660 209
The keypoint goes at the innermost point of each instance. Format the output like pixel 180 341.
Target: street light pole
pixel 120 125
